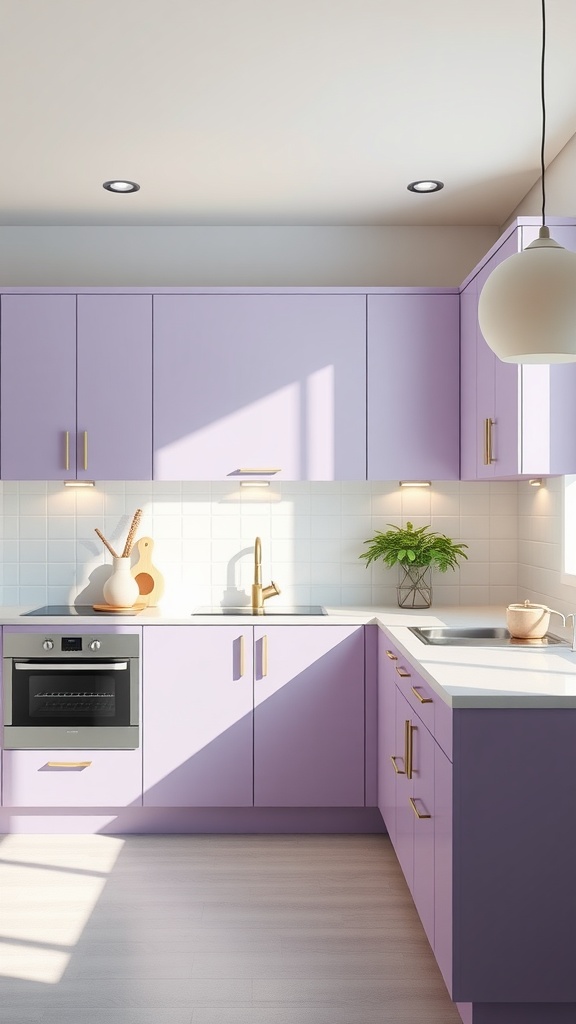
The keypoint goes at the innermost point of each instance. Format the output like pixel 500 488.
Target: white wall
pixel 243 256
pixel 312 537
pixel 560 196
pixel 540 547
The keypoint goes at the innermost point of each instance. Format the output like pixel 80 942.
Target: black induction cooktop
pixel 63 609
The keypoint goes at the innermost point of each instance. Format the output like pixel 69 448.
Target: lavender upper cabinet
pixel 515 420
pixel 413 386
pixel 76 388
pixel 38 387
pixel 197 716
pixel 261 382
pixel 114 419
pixel 309 716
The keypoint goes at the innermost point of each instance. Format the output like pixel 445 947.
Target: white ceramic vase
pixel 120 589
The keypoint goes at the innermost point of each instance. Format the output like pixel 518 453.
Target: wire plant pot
pixel 414 588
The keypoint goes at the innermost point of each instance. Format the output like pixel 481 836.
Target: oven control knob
pixel 48 645
pixel 94 645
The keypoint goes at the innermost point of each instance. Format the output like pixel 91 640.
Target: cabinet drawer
pixel 417 691
pixel 72 778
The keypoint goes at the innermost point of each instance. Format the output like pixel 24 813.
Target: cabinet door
pixel 497 393
pixel 468 382
pixel 72 778
pixel 390 759
pixel 309 716
pixel 422 805
pixel 38 387
pixel 259 382
pixel 413 387
pixel 197 716
pixel 443 809
pixel 114 387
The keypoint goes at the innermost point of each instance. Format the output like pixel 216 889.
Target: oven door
pixel 74 703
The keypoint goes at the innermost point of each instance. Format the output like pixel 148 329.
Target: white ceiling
pixel 277 111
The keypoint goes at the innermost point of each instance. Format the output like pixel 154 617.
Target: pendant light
pixel 527 308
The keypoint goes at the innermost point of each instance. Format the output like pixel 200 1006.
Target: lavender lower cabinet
pixel 72 778
pixel 309 716
pixel 390 755
pixel 197 716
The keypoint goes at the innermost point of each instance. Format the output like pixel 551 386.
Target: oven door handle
pixel 56 666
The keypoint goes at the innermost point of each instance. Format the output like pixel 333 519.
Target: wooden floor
pixel 211 930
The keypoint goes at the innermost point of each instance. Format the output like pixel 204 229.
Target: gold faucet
pixel 260 593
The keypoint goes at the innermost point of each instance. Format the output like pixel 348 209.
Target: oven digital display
pixel 71 643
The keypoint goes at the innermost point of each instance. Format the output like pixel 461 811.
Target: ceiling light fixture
pixel 527 308
pixel 426 185
pixel 121 185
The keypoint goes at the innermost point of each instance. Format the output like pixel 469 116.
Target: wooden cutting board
pixel 149 579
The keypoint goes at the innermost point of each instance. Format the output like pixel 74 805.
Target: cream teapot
pixel 530 621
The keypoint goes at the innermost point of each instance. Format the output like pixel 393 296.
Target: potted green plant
pixel 416 552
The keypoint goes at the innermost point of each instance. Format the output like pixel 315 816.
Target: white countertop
pixel 464 677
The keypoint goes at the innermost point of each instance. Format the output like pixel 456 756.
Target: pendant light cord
pixel 542 63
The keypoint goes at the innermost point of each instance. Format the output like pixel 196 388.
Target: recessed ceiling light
pixel 121 186
pixel 428 185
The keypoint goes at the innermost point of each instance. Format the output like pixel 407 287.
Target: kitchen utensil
pixel 106 543
pixel 529 621
pixel 149 579
pixel 131 533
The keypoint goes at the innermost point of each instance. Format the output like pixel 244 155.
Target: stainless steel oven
pixel 71 690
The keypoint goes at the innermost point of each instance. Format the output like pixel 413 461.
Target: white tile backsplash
pixel 312 537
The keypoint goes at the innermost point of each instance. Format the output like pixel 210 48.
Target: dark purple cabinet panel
pixel 115 387
pixel 309 716
pixel 514 850
pixel 260 381
pixel 197 716
pixel 413 387
pixel 38 387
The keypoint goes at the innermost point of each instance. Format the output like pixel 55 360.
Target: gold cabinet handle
pixel 393 657
pixel 85 449
pixel 242 661
pixel 423 700
pixel 264 655
pixel 399 771
pixel 402 672
pixel 488 456
pixel 69 764
pixel 259 471
pixel 407 748
pixel 67 450
pixel 415 809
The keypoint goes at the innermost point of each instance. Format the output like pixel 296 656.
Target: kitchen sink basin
pixel 264 613
pixel 480 636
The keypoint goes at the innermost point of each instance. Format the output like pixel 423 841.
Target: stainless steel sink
pixel 262 613
pixel 480 636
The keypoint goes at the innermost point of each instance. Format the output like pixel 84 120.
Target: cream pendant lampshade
pixel 527 308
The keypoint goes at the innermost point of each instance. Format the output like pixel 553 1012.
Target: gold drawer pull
pixel 402 672
pixel 423 700
pixel 415 809
pixel 67 450
pixel 399 771
pixel 69 764
pixel 260 471
pixel 85 449
pixel 393 657
pixel 242 661
pixel 264 655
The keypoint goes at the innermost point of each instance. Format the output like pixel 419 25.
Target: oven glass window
pixel 82 694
